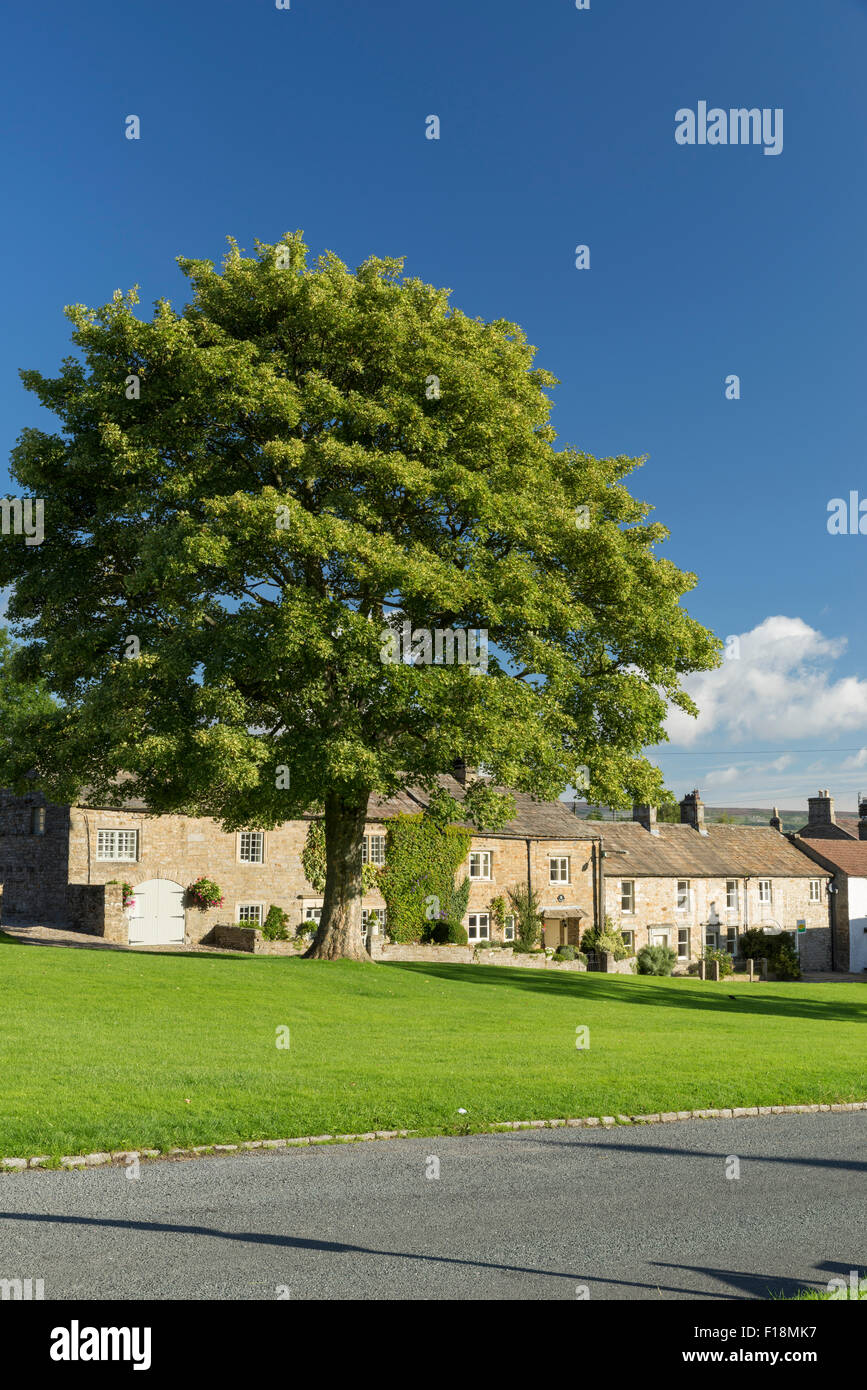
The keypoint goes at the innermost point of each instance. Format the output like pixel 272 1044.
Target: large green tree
pixel 245 497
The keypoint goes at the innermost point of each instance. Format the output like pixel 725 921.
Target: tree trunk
pixel 339 936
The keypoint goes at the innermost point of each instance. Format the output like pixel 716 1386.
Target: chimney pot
pixel 646 816
pixel 692 811
pixel 821 809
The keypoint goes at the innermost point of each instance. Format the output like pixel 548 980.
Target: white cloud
pixel 780 686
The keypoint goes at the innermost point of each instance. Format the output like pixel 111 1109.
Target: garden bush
pixel 656 960
pixel 726 964
pixel 778 949
pixel 274 926
pixel 565 953
pixel 449 933
pixel 606 938
pixel 308 928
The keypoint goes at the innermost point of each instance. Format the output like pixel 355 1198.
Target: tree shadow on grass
pixel 635 991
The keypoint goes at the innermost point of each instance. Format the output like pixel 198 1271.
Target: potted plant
pixel 206 893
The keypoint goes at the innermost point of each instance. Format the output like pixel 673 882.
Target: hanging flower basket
pixel 206 893
pixel 128 898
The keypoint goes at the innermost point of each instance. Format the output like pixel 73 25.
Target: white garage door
pixel 158 916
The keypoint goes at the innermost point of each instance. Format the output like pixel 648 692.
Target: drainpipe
pixel 530 885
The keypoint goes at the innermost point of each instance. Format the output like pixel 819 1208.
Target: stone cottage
pixel 67 865
pixel 837 850
pixel 692 885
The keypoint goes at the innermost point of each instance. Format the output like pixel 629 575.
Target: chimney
pixel 821 809
pixel 462 773
pixel 862 817
pixel 776 823
pixel 692 812
pixel 646 816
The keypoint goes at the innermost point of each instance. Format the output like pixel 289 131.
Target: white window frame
pixel 629 937
pixel 258 908
pixel 687 894
pixel 732 892
pixel 509 927
pixel 711 939
pixel 251 837
pixel 558 868
pixel 684 931
pixel 479 926
pixel 731 941
pixel 37 820
pixel 114 856
pixel 627 896
pixel 311 911
pixel 815 890
pixel 766 891
pixel 482 856
pixel 379 925
pixel 368 857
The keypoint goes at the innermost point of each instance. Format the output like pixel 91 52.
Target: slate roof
pixel 848 855
pixel 846 828
pixel 678 851
pixel 535 820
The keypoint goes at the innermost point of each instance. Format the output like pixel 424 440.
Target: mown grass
pixel 107 1050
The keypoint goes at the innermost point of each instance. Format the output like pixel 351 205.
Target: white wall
pixel 857 924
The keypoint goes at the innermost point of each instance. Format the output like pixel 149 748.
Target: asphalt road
pixel 627 1213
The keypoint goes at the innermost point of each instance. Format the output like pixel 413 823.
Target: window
pixel 37 820
pixel 627 895
pixel 251 913
pixel 683 897
pixel 657 936
pixel 478 926
pixel 683 943
pixel 731 895
pixel 628 937
pixel 373 851
pixel 732 940
pixel 252 847
pixel 373 918
pixel 765 890
pixel 509 929
pixel 313 913
pixel 558 870
pixel 711 938
pixel 117 844
pixel 815 890
pixel 480 863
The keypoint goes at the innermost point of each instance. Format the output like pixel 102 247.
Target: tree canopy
pixel 250 502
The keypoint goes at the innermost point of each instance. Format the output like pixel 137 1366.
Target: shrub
pixel 656 960
pixel 528 918
pixel 449 933
pixel 777 948
pixel 308 928
pixel 565 953
pixel 606 938
pixel 497 909
pixel 274 926
pixel 726 964
pixel 422 857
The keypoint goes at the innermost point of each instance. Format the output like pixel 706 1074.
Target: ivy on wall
pixel 313 856
pixel 422 856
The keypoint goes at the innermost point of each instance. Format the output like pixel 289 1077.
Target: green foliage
pixel 418 880
pixel 497 909
pixel 656 960
pixel 564 953
pixel 274 927
pixel 308 928
pixel 283 482
pixel 451 933
pixel 777 948
pixel 313 856
pixel 528 918
pixel 206 893
pixel 607 938
pixel 724 960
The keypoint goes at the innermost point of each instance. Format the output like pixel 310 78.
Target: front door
pixel 157 919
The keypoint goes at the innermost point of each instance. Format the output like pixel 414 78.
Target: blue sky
pixel 557 128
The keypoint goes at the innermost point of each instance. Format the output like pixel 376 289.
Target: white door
pixel 158 916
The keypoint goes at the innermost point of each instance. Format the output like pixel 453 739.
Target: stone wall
pixel 33 867
pixel 235 938
pixel 97 908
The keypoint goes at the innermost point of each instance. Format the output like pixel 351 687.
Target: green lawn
pixel 102 1050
